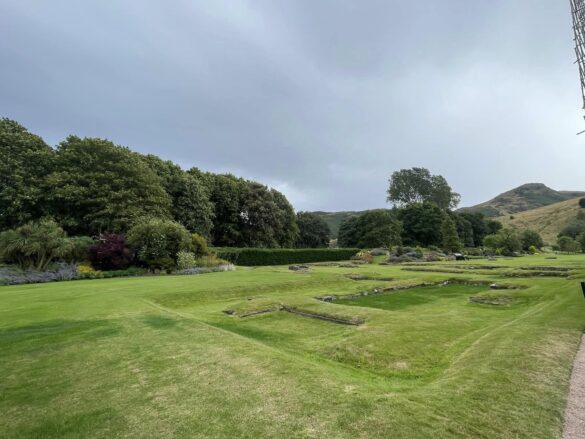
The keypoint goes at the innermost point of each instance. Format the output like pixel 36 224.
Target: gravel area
pixel 575 412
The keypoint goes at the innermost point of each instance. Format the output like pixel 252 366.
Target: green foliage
pixel 506 242
pixel 421 224
pixel 261 256
pixel 450 239
pixel 568 244
pixel 199 245
pixel 313 231
pixel 573 229
pixel 190 203
pixel 35 245
pixel 157 240
pixel 530 238
pixel 493 226
pixel 249 214
pixel 26 160
pixel 165 263
pixel 80 246
pixel 375 228
pixel 532 250
pixel 98 186
pixel 581 241
pixel 464 229
pixel 186 260
pixel 418 185
pixel 582 202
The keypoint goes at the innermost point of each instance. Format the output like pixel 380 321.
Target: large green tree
pixel 190 203
pixel 421 224
pixel 375 228
pixel 418 185
pixel 97 186
pixel 450 240
pixel 26 160
pixel 313 231
pixel 225 197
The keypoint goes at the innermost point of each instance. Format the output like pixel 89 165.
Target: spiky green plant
pixel 35 245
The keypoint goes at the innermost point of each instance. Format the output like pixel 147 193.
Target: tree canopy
pixel 313 231
pixel 26 160
pixel 97 186
pixel 418 185
pixel 375 228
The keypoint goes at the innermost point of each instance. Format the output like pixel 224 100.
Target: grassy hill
pixel 334 219
pixel 526 197
pixel 547 220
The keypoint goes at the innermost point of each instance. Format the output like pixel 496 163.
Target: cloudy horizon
pixel 321 100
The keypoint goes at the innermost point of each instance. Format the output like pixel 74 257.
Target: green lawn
pixel 159 357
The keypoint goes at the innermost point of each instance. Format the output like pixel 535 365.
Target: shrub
pixel 530 238
pixel 56 272
pixel 210 261
pixel 155 239
pixel 80 246
pixel 582 203
pixel 166 264
pixel 568 244
pixel 258 256
pixel 532 250
pixel 111 253
pixel 35 245
pixel 186 260
pixel 573 229
pixel 364 256
pixel 199 245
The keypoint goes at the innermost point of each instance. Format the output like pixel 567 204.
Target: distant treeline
pixel 91 186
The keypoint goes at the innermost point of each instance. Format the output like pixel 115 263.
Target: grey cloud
pixel 322 100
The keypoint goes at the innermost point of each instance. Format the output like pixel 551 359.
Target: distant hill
pixel 548 220
pixel 334 219
pixel 523 198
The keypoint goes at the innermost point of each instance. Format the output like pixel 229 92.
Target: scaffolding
pixel 578 11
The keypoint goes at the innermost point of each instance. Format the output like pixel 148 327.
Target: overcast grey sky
pixel 321 99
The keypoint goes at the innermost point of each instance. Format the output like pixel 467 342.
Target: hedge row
pixel 253 257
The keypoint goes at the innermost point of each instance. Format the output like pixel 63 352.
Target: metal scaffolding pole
pixel 578 12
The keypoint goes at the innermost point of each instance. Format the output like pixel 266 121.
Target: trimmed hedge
pixel 253 257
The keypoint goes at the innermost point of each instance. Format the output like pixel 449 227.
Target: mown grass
pixel 158 357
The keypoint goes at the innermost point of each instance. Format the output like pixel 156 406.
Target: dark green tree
pixel 313 231
pixel 493 226
pixel 98 186
pixel 418 185
pixel 225 191
pixel 530 238
pixel 421 224
pixel 479 225
pixel 190 198
pixel 464 230
pixel 375 228
pixel 450 239
pixel 573 229
pixel 287 230
pixel 26 160
pixel 568 245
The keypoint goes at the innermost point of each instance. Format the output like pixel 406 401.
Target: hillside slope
pixel 523 198
pixel 547 220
